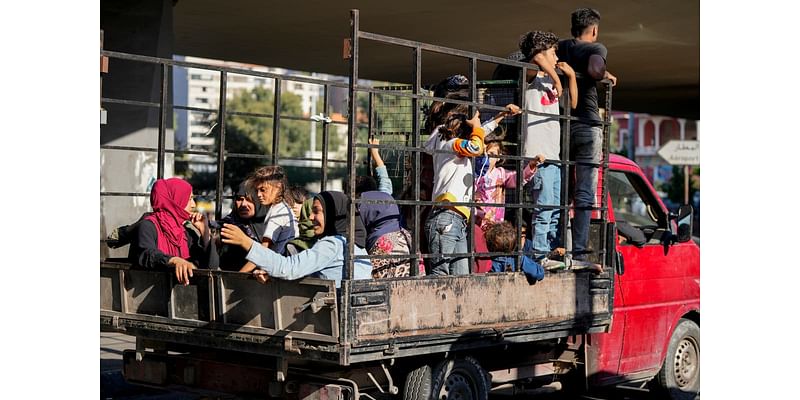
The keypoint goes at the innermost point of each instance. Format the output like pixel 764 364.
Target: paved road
pixel 114 387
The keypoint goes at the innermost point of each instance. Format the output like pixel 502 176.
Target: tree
pixel 249 134
pixel 674 187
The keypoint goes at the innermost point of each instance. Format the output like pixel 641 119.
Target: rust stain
pixel 480 301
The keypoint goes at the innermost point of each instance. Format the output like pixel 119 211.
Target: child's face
pixel 296 208
pixel 268 192
pixel 550 56
pixel 492 151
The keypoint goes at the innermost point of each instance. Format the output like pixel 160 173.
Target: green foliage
pixel 674 187
pixel 246 134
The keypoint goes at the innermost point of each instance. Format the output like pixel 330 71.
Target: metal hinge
pixel 289 346
pixel 321 299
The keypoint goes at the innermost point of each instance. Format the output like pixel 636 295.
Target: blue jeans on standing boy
pixel 546 191
pixel 447 234
pixel 586 145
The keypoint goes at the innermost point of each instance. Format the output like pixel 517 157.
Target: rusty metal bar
pixel 325 139
pixel 441 49
pixel 565 175
pixel 522 130
pixel 230 70
pixel 276 122
pixel 370 128
pixel 162 121
pixel 351 139
pixel 473 96
pixel 223 87
pixel 416 79
pixel 604 187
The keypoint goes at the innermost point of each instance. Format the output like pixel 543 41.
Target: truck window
pixel 628 202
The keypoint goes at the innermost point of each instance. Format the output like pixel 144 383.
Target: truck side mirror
pixel 684 219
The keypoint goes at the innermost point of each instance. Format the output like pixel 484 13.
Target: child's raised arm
pixel 573 83
pixel 474 146
pixel 541 61
pixel 384 182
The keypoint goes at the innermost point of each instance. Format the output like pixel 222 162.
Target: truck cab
pixel 656 318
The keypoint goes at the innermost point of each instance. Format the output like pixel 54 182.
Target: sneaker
pixel 552 265
pixel 579 265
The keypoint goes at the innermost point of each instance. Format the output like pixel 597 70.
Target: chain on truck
pixel 634 324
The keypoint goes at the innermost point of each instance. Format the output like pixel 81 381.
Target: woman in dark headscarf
pixel 385 236
pixel 173 235
pixel 248 214
pixel 325 259
pixel 306 236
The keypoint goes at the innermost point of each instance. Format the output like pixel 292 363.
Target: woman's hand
pixel 183 269
pixel 199 221
pixel 261 276
pixel 231 234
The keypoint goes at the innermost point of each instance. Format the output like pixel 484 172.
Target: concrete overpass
pixel 654 46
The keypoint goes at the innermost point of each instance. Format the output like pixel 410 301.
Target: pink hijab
pixel 168 199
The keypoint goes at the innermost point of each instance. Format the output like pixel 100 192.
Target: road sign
pixel 681 152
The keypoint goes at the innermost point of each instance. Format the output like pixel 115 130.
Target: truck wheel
pixel 679 377
pixel 418 384
pixel 451 379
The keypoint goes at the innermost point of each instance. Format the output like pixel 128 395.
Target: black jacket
pixel 144 250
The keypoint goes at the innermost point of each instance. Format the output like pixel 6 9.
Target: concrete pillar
pixel 697 126
pixel 139 27
pixel 682 124
pixel 642 122
pixel 657 132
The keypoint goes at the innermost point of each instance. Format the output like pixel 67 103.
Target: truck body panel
pixel 659 286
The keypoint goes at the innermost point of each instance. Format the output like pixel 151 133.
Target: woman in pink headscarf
pixel 173 235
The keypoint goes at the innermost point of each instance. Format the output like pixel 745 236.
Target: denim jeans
pixel 586 145
pixel 447 234
pixel 546 191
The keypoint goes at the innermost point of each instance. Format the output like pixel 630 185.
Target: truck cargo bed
pixel 367 320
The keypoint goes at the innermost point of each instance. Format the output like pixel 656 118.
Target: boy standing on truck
pixel 543 136
pixel 588 57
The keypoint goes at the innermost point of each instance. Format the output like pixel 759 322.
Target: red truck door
pixel 651 292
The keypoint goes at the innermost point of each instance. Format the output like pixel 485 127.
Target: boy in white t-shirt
pixel 543 136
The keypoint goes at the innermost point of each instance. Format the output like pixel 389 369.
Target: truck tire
pixel 679 377
pixel 418 384
pixel 451 379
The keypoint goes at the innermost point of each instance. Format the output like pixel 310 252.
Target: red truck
pixel 656 320
pixel 446 337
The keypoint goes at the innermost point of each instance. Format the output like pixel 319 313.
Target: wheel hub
pixel 457 387
pixel 687 362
